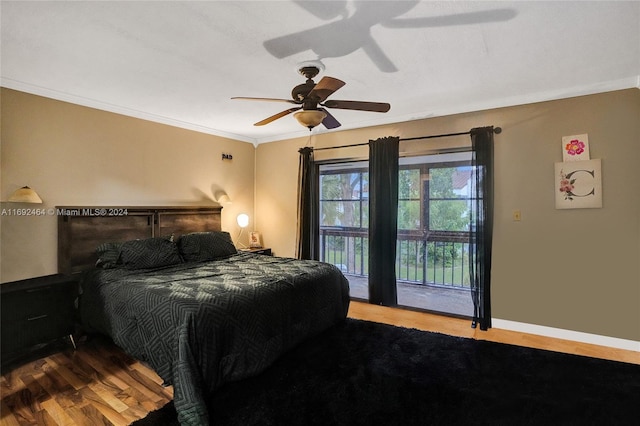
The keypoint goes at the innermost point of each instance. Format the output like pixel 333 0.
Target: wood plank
pixel 78 382
pixel 79 415
pixel 52 380
pixel 74 364
pixel 58 414
pixel 70 398
pixel 38 392
pixel 103 369
pixel 21 403
pixel 146 384
pixel 103 407
pixel 11 383
pixel 149 373
pixel 109 396
pixel 137 404
pixel 90 415
pixel 43 418
pixel 35 366
pixel 130 377
pixel 8 419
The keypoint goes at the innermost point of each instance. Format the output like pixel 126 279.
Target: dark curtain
pixel 308 229
pixel 481 234
pixel 383 218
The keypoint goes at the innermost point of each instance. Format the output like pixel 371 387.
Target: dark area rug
pixel 364 373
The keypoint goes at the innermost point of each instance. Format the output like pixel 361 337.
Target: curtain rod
pixel 496 130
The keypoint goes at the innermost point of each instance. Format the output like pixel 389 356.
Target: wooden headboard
pixel 83 228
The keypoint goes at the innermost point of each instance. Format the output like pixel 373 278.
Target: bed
pixel 171 290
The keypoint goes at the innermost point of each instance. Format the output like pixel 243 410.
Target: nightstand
pixel 262 250
pixel 35 312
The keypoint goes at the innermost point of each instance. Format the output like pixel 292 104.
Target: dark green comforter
pixel 200 325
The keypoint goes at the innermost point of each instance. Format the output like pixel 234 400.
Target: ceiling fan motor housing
pixel 300 92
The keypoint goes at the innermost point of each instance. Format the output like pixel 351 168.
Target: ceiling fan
pixel 313 102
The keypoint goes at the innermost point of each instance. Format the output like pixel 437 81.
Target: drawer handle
pixel 33 290
pixel 37 318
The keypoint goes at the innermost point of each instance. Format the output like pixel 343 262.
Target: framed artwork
pixel 254 240
pixel 578 184
pixel 575 148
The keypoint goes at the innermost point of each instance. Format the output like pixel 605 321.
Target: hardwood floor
pixel 462 328
pixel 95 385
pixel 100 385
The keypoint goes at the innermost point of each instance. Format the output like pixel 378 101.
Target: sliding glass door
pixel 434 202
pixel 344 221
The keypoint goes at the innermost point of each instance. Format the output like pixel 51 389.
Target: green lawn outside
pixel 436 273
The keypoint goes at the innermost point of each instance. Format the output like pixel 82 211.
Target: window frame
pixel 443 235
pixel 361 199
pixel 423 232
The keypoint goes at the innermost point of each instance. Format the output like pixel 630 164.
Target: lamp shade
pixel 243 220
pixel 222 198
pixel 310 118
pixel 25 195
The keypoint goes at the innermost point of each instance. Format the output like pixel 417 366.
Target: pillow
pixel 150 253
pixel 201 246
pixel 108 255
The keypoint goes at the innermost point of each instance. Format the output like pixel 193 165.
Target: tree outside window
pixel 434 199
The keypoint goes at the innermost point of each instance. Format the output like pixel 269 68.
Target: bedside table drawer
pixel 17 335
pixel 36 302
pixel 35 311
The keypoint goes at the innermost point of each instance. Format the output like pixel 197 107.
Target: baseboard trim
pixel 558 333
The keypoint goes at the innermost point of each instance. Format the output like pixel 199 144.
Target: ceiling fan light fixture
pixel 310 118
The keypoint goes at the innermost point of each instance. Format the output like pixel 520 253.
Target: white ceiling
pixel 180 62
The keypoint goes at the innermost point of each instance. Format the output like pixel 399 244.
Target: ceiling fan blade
pixel 329 121
pixel 358 105
pixel 325 87
pixel 276 116
pixel 469 18
pixel 265 99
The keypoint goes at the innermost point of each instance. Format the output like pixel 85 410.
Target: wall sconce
pixel 243 222
pixel 25 195
pixel 222 197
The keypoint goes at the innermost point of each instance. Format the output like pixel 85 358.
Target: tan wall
pixel 569 269
pixel 73 155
